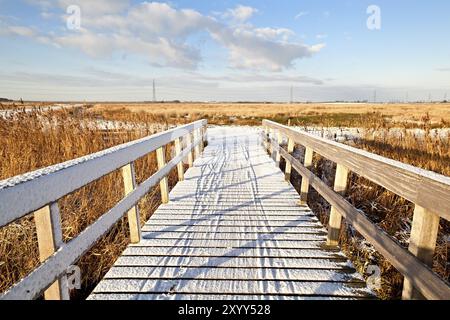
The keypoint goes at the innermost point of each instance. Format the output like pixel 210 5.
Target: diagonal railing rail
pixel 430 193
pixel 38 193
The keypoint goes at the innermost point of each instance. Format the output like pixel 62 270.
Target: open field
pixel 31 140
pixel 252 113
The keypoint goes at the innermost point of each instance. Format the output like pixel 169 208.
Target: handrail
pixel 420 280
pixel 422 187
pixel 28 192
pixel 49 276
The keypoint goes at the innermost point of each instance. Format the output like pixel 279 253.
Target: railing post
pixel 49 236
pixel 279 141
pixel 422 243
pixel 271 149
pixel 129 183
pixel 309 153
pixel 203 133
pixel 265 142
pixel 334 224
pixel 180 167
pixel 190 156
pixel 290 149
pixel 164 183
pixel 197 146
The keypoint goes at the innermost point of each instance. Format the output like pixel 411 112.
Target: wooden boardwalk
pixel 233 229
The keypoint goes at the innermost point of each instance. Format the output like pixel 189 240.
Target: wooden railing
pixel 38 192
pixel 430 193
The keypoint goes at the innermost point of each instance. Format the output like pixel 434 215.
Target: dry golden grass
pixel 390 212
pixel 28 143
pixel 398 112
pixel 38 139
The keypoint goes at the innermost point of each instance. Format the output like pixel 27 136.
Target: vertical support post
pixel 49 236
pixel 180 167
pixel 290 149
pixel 424 231
pixel 264 138
pixel 129 183
pixel 271 149
pixel 190 154
pixel 164 183
pixel 309 153
pixel 197 147
pixel 334 225
pixel 279 141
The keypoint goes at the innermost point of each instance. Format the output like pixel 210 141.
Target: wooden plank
pixel 129 182
pixel 279 274
pixel 45 274
pixel 422 277
pixel 49 236
pixel 422 187
pixel 180 166
pixel 235 262
pixel 29 192
pixel 422 244
pixel 164 183
pixel 320 253
pixel 335 221
pixel 217 296
pixel 229 287
pixel 304 189
pixel 241 229
pixel 307 236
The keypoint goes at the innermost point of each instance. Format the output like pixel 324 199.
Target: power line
pixel 292 95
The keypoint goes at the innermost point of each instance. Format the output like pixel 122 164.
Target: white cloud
pixel 321 36
pixel 240 13
pixel 249 50
pixel 161 33
pixel 301 14
pixel 18 31
pixel 95 7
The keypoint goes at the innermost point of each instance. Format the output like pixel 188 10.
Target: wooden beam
pixel 129 183
pixel 45 274
pixel 421 187
pixel 272 150
pixel 190 154
pixel 49 236
pixel 278 155
pixel 335 222
pixel 288 170
pixel 304 189
pixel 197 147
pixel 164 183
pixel 203 138
pixel 422 277
pixel 49 184
pixel 180 167
pixel 422 244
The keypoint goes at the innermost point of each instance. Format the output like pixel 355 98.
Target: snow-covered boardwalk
pixel 233 229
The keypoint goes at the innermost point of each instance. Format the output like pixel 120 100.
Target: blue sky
pixel 224 50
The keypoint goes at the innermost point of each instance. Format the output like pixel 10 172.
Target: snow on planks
pixel 233 230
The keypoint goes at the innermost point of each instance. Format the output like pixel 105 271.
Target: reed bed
pixel 393 214
pixel 32 140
